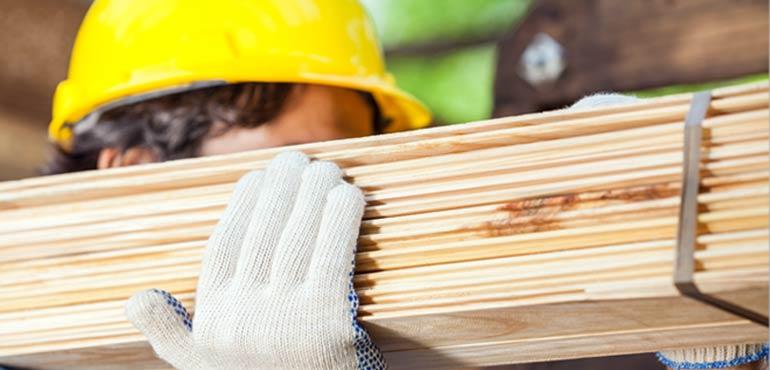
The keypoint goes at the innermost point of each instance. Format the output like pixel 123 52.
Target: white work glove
pixel 275 290
pixel 603 100
pixel 690 358
pixel 717 357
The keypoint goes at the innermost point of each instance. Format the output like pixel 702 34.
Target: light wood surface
pixel 532 238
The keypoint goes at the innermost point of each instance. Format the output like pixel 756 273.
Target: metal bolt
pixel 542 62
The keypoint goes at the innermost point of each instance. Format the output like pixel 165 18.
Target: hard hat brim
pixel 402 110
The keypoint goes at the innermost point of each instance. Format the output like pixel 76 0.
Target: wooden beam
pixel 625 46
pixel 530 238
pixel 495 336
pixel 23 146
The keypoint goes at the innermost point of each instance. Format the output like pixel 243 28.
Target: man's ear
pixel 113 157
pixel 107 158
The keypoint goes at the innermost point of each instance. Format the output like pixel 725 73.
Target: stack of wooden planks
pixel 538 237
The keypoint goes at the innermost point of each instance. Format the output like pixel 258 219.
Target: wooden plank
pixel 498 336
pixel 531 238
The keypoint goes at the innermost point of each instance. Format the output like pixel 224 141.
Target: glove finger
pixel 298 239
pixel 280 185
pixel 604 100
pixel 331 266
pixel 166 324
pixel 223 248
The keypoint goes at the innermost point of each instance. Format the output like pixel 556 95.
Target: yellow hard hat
pixel 130 50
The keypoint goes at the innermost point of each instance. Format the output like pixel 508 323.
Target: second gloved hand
pixel 275 289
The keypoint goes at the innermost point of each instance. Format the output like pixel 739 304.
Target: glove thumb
pixel 166 324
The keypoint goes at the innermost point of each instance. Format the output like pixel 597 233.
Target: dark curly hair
pixel 174 126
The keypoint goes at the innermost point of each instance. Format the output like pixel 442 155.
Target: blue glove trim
pixel 715 364
pixel 177 306
pixel 368 355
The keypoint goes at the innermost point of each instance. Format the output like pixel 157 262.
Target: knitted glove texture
pixel 275 289
pixel 718 357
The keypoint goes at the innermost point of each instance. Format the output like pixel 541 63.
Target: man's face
pixel 312 113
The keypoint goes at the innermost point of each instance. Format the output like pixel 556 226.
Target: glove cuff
pixel 713 357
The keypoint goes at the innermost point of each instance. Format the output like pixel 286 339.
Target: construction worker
pixel 156 80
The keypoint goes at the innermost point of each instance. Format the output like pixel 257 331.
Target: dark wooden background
pixel 627 45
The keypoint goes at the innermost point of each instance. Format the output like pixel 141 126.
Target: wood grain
pixel 532 238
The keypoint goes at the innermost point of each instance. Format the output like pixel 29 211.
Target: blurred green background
pixel 457 85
